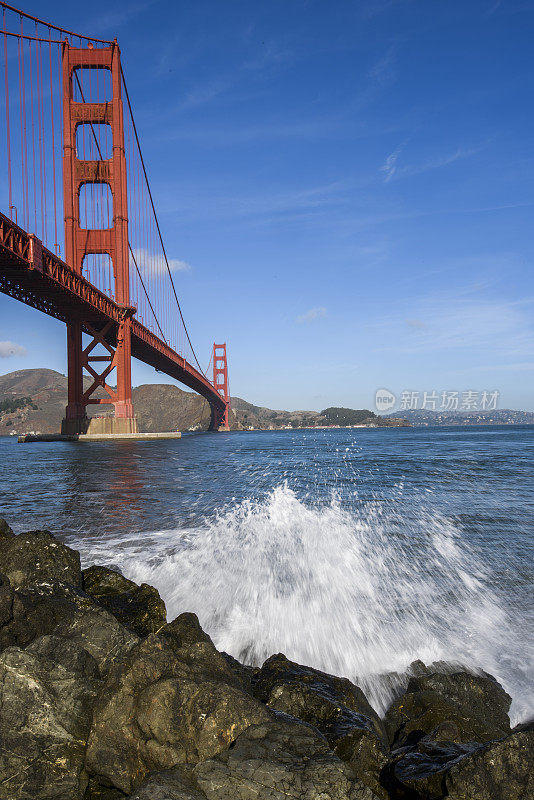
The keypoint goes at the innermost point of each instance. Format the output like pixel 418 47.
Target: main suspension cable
pixel 157 222
pixel 53 27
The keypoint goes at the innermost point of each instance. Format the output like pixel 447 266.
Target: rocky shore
pixel 101 699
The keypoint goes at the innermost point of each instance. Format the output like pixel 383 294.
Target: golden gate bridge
pixel 80 238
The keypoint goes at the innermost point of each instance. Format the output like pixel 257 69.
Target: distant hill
pixel 35 400
pixel 41 397
pixel 348 416
pixel 502 416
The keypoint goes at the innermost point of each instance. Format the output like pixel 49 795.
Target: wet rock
pixel 476 705
pixel 308 691
pixel 65 611
pixel 502 770
pixel 422 769
pixel 172 700
pixel 335 706
pixel 37 557
pixel 45 713
pixel 5 530
pixel 139 608
pixel 278 760
pixel 356 743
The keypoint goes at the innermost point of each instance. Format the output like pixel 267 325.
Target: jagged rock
pixel 167 785
pixel 37 557
pixel 243 672
pixel 277 760
pixel 502 770
pixel 139 608
pixel 185 630
pixel 335 706
pixel 172 700
pixel 63 610
pixel 5 530
pixel 45 713
pixel 99 580
pixel 475 704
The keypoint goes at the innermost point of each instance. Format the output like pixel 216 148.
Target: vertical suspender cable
pixel 53 139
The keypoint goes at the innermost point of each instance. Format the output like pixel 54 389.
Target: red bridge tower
pixel 219 418
pixel 112 241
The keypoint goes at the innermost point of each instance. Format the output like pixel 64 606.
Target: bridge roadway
pixel 35 276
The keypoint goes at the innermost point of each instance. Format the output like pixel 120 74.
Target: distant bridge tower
pixel 219 418
pixel 111 240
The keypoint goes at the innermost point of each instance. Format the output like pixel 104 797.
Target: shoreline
pixel 150 709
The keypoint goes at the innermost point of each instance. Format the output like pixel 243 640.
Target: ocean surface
pixel 354 551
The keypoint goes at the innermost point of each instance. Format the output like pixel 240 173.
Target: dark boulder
pixel 185 630
pixel 335 706
pixel 476 707
pixel 139 608
pixel 502 770
pixel 67 654
pixel 96 791
pixel 5 530
pixel 105 581
pixel 37 557
pixel 172 700
pixel 65 611
pixel 308 691
pixel 167 785
pixel 420 771
pixel 45 714
pixel 6 600
pixel 277 760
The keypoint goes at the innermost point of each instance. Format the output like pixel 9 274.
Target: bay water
pixel 356 551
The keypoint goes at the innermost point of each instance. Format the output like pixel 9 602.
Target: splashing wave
pixel 360 593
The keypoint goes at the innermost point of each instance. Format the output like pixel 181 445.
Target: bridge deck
pixel 35 276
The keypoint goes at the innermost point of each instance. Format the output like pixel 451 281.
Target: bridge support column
pixel 123 359
pixel 75 416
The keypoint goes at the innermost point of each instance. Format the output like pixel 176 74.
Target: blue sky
pixel 351 183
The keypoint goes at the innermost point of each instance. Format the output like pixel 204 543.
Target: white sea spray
pixel 359 591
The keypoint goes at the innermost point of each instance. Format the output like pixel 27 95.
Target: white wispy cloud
pixel 312 314
pixel 11 349
pixel 382 72
pixel 438 161
pixel 155 263
pixel 391 168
